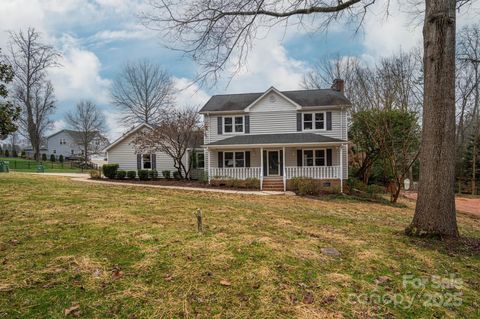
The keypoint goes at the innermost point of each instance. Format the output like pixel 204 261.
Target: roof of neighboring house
pixel 75 135
pixel 304 98
pixel 287 138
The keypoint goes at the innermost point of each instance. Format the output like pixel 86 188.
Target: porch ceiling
pixel 277 139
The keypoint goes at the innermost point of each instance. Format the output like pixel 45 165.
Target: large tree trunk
pixel 435 210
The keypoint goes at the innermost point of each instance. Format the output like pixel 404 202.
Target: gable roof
pixel 127 134
pixel 75 135
pixel 304 98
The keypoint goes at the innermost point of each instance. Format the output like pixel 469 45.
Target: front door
pixel 273 163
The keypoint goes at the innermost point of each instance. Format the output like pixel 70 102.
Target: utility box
pixel 4 167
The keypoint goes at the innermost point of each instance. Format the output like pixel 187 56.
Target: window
pixel 54 151
pixel 319 157
pixel 313 121
pixel 147 161
pixel 233 124
pixel 71 151
pixel 314 157
pixel 308 158
pixel 234 159
pixel 200 160
pixel 239 159
pixel 63 141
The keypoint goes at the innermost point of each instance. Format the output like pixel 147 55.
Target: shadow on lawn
pixel 461 247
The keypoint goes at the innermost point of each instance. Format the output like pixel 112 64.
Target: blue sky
pixel 97 36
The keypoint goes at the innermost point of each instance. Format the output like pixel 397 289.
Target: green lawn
pixel 131 252
pixel 19 164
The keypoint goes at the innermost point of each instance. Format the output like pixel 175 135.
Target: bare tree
pixel 213 32
pixel 468 78
pixel 89 122
pixel 32 92
pixel 180 130
pixel 143 91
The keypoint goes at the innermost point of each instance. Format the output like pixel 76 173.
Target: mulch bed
pixel 174 182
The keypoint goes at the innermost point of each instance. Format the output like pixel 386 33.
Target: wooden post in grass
pixel 199 220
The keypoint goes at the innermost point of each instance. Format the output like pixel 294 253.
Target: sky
pixel 97 37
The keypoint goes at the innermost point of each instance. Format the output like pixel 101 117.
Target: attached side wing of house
pixel 123 153
pixel 275 136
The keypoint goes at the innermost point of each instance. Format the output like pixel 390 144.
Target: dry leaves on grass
pixel 73 311
pixel 224 282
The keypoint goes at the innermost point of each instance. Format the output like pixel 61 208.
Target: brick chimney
pixel 338 85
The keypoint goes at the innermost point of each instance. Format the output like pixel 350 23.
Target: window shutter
pixel 247 159
pixel 219 125
pixel 139 161
pixel 329 157
pixel 299 122
pixel 193 158
pixel 281 162
pixel 220 159
pixel 154 161
pixel 299 158
pixel 329 121
pixel 247 124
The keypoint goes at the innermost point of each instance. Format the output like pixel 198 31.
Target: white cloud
pixel 114 125
pixel 268 64
pixel 57 126
pixel 189 94
pixel 79 76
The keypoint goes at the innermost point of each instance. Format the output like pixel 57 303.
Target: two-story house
pixel 69 144
pixel 277 135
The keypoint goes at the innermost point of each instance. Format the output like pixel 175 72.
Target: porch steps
pixel 273 185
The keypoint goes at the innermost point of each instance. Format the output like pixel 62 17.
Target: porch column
pixel 208 165
pixel 261 168
pixel 341 168
pixel 284 170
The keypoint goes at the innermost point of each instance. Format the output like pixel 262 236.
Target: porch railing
pixel 317 172
pixel 235 172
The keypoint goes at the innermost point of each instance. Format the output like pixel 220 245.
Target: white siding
pixel 53 144
pixel 124 154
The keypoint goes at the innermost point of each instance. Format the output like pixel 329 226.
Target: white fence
pixel 235 172
pixel 317 172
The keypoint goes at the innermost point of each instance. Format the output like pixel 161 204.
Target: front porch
pixel 271 164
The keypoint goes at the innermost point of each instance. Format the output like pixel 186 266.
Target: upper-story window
pixel 63 141
pixel 233 124
pixel 314 121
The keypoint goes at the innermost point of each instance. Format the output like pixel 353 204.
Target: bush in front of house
pixel 143 174
pixel 110 170
pixel 23 154
pixel 166 174
pixel 61 159
pixel 304 186
pixel 95 174
pixel 153 174
pixel 44 157
pixel 52 158
pixel 131 174
pixel 7 153
pixel 121 174
pixel 176 175
pixel 14 153
pixel 252 183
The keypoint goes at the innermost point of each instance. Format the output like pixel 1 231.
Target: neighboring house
pixel 275 136
pixel 69 144
pixel 122 152
pixel 30 154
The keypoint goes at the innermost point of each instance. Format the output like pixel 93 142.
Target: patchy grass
pixel 103 251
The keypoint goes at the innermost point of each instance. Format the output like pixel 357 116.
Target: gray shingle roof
pixel 237 102
pixel 287 138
